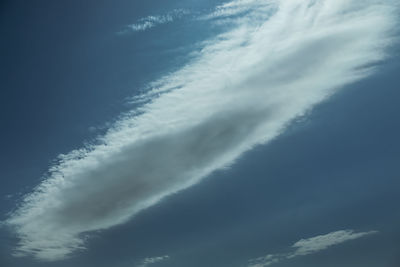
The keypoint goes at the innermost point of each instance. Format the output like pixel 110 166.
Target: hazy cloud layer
pixel 242 90
pixel 309 246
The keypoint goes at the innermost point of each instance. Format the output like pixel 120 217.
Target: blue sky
pixel 199 133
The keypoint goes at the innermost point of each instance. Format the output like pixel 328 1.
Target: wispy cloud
pixel 236 8
pixel 148 261
pixel 242 90
pixel 310 246
pixel 153 21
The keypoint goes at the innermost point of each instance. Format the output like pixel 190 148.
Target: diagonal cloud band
pixel 243 89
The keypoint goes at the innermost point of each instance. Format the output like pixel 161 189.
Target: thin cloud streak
pixel 149 22
pixel 309 246
pixel 236 8
pixel 242 90
pixel 148 261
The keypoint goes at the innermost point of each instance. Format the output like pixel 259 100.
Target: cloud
pixel 310 246
pixel 153 21
pixel 242 90
pixel 146 262
pixel 236 8
pixel 322 242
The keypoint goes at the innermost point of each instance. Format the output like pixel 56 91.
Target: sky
pixel 199 133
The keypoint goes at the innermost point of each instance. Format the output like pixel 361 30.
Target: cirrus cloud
pixel 242 90
pixel 309 246
pixel 152 21
pixel 148 261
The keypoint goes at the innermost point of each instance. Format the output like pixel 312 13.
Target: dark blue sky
pixel 64 69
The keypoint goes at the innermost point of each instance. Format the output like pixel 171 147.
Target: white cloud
pixel 321 242
pixel 239 7
pixel 146 262
pixel 241 91
pixel 153 21
pixel 310 246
